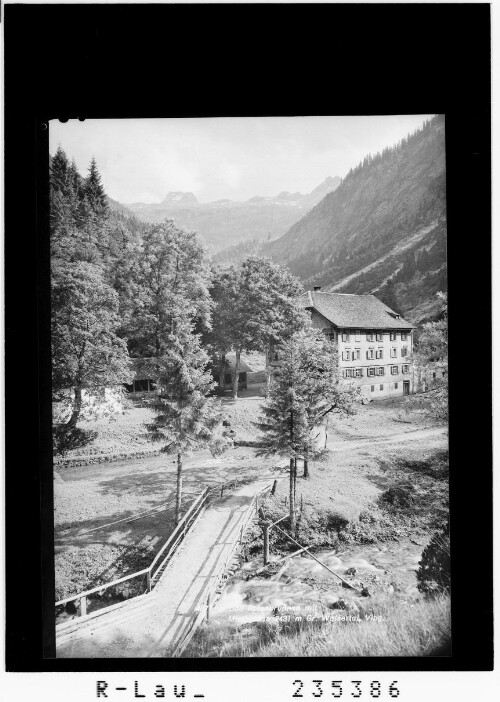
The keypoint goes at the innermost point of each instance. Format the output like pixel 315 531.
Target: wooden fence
pixel 149 576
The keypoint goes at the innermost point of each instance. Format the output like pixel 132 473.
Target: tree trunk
pixel 77 408
pixel 179 489
pixel 306 468
pixel 268 370
pixel 295 478
pixel 292 498
pixel 236 374
pixel 222 384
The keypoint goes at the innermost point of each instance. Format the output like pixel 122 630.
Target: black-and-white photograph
pixel 249 387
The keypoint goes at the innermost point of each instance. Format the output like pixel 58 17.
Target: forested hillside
pixel 226 221
pixel 122 289
pixel 382 231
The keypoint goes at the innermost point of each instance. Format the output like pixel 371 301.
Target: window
pixel 379 353
pixel 381 370
pixel 394 370
pixel 369 336
pixel 382 386
pixel 393 336
pixel 373 388
pixel 380 337
pixel 404 351
pixel 406 369
pixel 346 356
pixel 345 336
pixel 370 372
pixel 394 353
pixel 404 336
pixel 356 355
pixel 348 372
pixel 395 386
pixel 143 385
pixel 369 354
pixel 358 372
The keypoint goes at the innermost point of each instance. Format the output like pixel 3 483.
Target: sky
pixel 141 160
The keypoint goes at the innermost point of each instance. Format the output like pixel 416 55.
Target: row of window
pixel 355 354
pixel 373 336
pixel 396 386
pixel 373 370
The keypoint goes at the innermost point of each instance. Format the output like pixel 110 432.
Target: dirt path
pixel 153 628
pixel 404 436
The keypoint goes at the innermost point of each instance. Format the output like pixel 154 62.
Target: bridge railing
pixel 203 610
pixel 147 575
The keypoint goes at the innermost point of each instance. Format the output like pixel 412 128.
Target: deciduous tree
pixel 256 307
pixel 86 352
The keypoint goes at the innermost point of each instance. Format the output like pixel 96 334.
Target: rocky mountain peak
pixel 180 199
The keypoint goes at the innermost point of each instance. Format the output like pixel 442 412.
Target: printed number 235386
pixel 352 688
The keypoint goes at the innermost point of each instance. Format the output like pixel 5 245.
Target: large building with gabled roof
pixel 374 343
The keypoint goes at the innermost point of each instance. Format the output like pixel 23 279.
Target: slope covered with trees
pixel 386 221
pixel 122 289
pixel 87 349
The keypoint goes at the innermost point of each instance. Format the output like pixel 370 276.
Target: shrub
pixel 398 495
pixel 433 575
pixel 65 438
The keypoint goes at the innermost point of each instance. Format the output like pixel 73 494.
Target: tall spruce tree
pixel 172 301
pixel 186 418
pixel 305 390
pixel 94 191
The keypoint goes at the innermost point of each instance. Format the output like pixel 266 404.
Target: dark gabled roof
pixel 354 311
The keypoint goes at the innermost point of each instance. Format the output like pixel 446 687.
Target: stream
pixel 304 587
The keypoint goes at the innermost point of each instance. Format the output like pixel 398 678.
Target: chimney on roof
pixel 317 288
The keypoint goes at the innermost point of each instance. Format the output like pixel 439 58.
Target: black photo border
pixel 114 61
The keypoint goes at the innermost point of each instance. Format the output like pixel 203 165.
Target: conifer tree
pixel 186 418
pixel 173 279
pixel 63 207
pixel 305 390
pixel 87 352
pixel 94 191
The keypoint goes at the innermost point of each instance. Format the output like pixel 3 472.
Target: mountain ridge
pixel 234 221
pixel 383 229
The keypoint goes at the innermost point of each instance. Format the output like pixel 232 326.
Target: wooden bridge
pixel 180 586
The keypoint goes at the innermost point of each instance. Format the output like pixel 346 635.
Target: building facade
pixel 374 343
